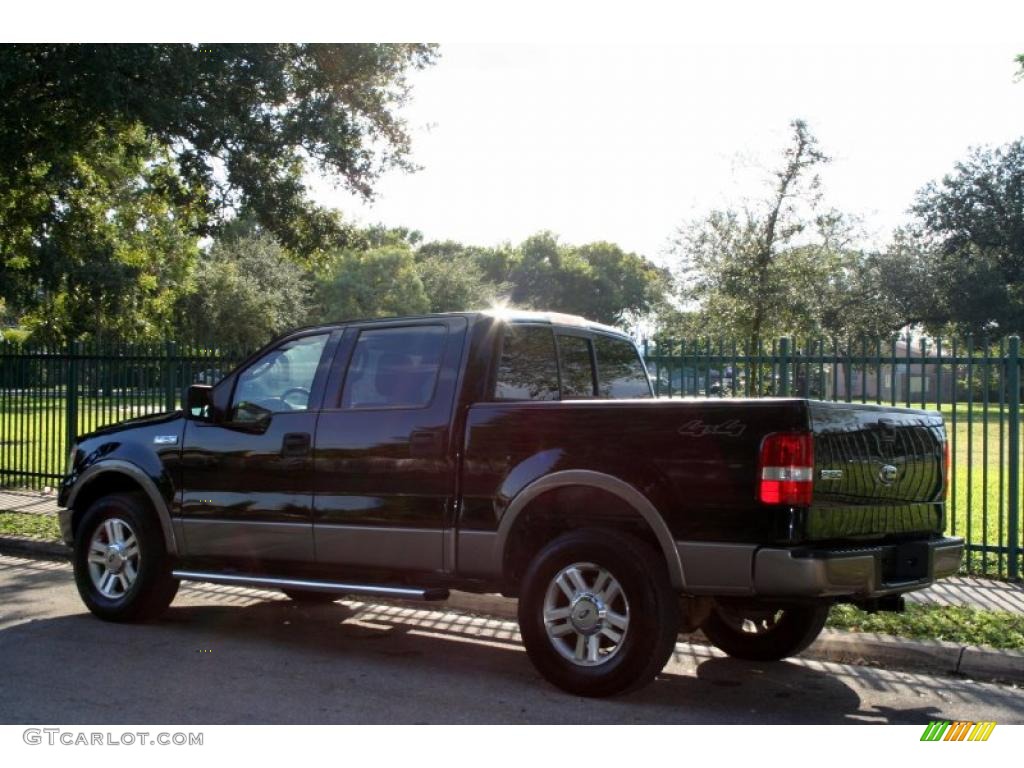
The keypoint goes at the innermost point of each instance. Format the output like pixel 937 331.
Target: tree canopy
pixel 246 290
pixel 784 265
pixel 960 263
pixel 97 142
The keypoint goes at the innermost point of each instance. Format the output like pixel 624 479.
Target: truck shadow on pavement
pixel 222 655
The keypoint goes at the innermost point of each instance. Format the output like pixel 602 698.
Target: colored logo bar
pixel 958 730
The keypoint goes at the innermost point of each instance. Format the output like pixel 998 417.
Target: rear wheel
pixel 122 569
pixel 764 633
pixel 597 613
pixel 310 597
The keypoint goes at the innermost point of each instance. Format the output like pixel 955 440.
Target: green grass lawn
pixel 33 429
pixel 30 526
pixel 979 486
pixel 958 624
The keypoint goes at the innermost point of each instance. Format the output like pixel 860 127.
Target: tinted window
pixel 577 369
pixel 620 372
pixel 528 369
pixel 394 367
pixel 279 381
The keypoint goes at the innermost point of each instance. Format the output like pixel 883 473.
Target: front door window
pixel 280 381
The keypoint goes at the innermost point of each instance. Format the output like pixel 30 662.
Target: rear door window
pixel 528 369
pixel 394 367
pixel 620 371
pixel 577 367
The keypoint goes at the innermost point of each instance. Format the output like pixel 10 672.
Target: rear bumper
pixel 817 572
pixel 861 572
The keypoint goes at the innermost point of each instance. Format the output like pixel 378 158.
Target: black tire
pixel 308 597
pixel 153 587
pixel 653 613
pixel 780 632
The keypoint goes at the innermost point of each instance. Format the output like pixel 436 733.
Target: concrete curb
pixel 48 550
pixel 863 648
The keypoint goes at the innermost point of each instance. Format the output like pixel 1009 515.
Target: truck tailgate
pixel 878 471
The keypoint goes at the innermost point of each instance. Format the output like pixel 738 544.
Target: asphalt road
pixel 231 655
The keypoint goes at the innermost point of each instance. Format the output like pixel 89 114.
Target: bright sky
pixel 624 142
pixel 620 120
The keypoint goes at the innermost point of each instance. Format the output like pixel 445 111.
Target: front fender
pixel 96 473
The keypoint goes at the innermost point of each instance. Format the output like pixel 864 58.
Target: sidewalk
pixel 28 501
pixel 984 594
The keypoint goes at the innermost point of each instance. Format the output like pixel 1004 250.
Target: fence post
pixel 71 404
pixel 170 379
pixel 784 366
pixel 1013 487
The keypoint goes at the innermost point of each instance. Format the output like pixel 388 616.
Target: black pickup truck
pixel 521 453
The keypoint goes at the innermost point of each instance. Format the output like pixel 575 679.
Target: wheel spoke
pixel 124 581
pixel 563 584
pixel 556 614
pixel 612 592
pixel 581 647
pixel 560 630
pixel 602 579
pixel 97 557
pixel 593 644
pixel 131 551
pixel 107 583
pixel 130 572
pixel 577 579
pixel 611 634
pixel 617 620
pixel 108 529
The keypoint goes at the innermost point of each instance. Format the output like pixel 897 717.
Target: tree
pixel 244 292
pixel 454 279
pixel 623 286
pixel 232 128
pixel 379 282
pixel 598 280
pixel 960 263
pixel 114 254
pixel 731 262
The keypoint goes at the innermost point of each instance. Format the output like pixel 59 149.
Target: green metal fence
pixel 48 396
pixel 975 384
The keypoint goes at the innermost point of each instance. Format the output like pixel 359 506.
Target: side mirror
pixel 199 402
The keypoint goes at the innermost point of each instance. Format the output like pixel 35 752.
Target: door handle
pixel 295 444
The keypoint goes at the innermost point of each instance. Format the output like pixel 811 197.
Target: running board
pixel 271 582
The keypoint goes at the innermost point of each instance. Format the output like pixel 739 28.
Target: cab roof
pixel 500 314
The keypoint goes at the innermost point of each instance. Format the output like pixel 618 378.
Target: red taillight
pixel 786 468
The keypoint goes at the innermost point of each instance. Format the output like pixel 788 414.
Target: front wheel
pixel 597 614
pixel 122 569
pixel 764 633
